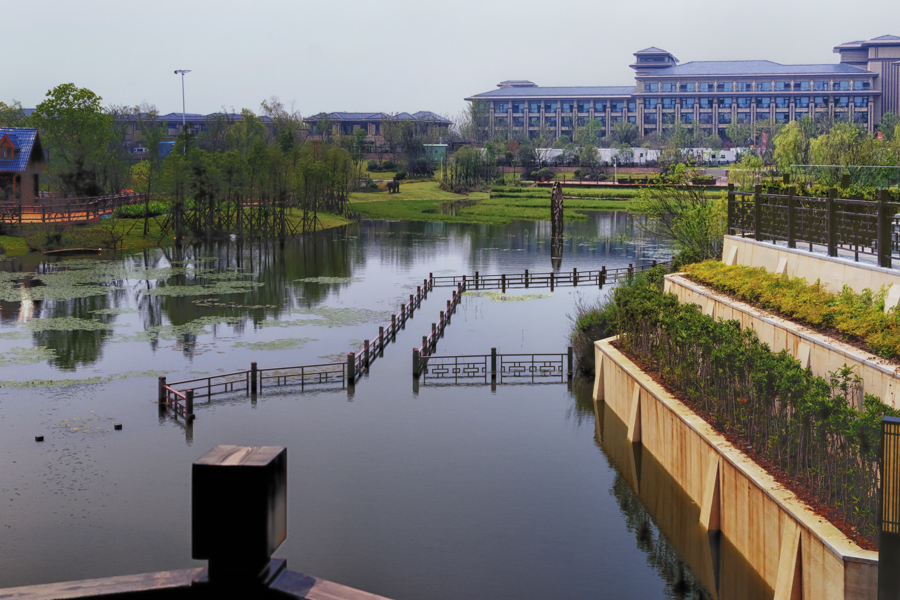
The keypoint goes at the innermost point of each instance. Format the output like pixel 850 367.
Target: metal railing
pixel 840 226
pixel 551 279
pixel 495 367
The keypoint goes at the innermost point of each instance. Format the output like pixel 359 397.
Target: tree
pixel 738 133
pixel 590 133
pixel 473 123
pixel 888 126
pixel 791 147
pixel 153 133
pixel 77 131
pixel 11 115
pixel 624 132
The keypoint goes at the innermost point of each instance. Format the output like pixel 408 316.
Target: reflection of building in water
pixel 26 304
pixel 666 523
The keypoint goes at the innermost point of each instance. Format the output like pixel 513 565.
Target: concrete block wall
pixel 797 553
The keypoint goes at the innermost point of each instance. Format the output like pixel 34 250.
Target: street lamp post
pixel 183 118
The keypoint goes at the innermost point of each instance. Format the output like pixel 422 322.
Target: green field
pixel 496 208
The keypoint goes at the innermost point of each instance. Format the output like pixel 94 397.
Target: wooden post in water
pixel 571 358
pixel 602 276
pixel 476 280
pixel 189 405
pixel 493 364
pixel 366 353
pixel 161 392
pixel 412 304
pixel 253 377
pixel 425 350
pixel 416 362
pixel 393 326
pixel 351 367
pixel 574 276
pixel 380 337
pixel 442 319
pixel 526 277
pixel 503 282
pixel 434 331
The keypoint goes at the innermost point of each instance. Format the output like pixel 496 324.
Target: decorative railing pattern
pixel 540 280
pixel 843 226
pixel 495 367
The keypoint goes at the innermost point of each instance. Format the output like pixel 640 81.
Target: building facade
pixel 347 123
pixel 21 162
pixel 712 94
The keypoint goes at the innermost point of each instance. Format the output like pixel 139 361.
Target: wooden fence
pixel 65 210
pixel 840 226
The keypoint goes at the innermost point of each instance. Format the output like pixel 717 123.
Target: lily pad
pixel 66 324
pixel 219 289
pixel 113 311
pixel 24 356
pixel 283 344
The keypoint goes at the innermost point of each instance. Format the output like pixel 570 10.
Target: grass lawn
pixel 414 199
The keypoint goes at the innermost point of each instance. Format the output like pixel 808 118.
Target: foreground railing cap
pixel 239 507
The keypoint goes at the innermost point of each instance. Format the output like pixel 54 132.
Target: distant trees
pixel 624 132
pixel 11 115
pixel 78 131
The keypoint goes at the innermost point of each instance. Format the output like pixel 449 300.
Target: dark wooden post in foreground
pixel 571 362
pixel 351 367
pixel 189 405
pixel 253 378
pixel 416 362
pixel 493 364
pixel 238 510
pixel 161 394
pixel 889 521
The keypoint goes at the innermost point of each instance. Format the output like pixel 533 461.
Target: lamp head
pixel 182 71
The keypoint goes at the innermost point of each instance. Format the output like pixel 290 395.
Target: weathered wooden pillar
pixel 189 405
pixel 366 353
pixel 238 536
pixel 571 362
pixel 493 364
pixel 351 367
pixel 574 276
pixel 526 277
pixel 161 389
pixel 416 362
pixel 253 378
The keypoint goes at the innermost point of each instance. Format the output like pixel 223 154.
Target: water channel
pixel 432 491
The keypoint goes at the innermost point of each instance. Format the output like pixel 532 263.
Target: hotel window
pixel 551 121
pixel 518 107
pixel 782 86
pixel 841 101
pixel 650 103
pixel 840 115
pixel 568 107
pixel 782 117
pixel 801 86
pixel 550 106
pixel 762 115
pixel 802 102
pixel 687 118
pixel 821 102
pixel 763 102
pixel 724 118
pixel 518 121
pixel 842 86
pixel 534 107
pixel 706 87
pixel 602 120
pixel 498 121
pixel 688 103
pixel 584 107
pixel 686 87
pixel 743 118
pixel 581 121
pixel 668 119
pixel 632 106
pixel 744 102
pixel 534 121
pixel 632 119
pixel 669 103
pixel 726 102
pixel 862 85
pixel 782 102
pixel 706 118
pixel 820 86
pixel 600 106
pixel 861 116
pixel 744 86
pixel 567 122
pixel 651 87
pixel 763 86
pixel 725 87
pixel 707 102
pixel 668 87
pixel 617 119
pixel 501 106
pixel 617 105
pixel 860 101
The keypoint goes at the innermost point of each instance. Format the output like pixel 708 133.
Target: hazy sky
pixel 393 55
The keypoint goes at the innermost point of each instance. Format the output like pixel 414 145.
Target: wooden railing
pixel 494 366
pixel 839 226
pixel 65 210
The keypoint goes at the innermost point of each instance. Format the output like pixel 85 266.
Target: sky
pixel 392 55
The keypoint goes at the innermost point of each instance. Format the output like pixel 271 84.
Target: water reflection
pixel 666 523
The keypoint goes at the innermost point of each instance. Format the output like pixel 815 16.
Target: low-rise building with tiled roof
pixel 21 162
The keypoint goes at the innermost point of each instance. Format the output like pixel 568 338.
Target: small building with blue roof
pixel 21 162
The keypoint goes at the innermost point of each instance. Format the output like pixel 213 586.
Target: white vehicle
pixel 139 150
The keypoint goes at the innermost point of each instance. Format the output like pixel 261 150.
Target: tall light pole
pixel 183 119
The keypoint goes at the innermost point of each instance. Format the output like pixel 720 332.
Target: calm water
pixel 424 491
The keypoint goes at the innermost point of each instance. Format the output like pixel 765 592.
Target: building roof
pixel 652 50
pixel 422 115
pixel 754 67
pixel 557 92
pixel 883 40
pixel 26 139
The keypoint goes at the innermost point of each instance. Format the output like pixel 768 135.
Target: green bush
pixel 388 165
pixel 806 426
pixel 372 165
pixel 859 316
pixel 400 175
pixel 136 211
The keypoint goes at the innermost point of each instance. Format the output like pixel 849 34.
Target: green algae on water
pixel 24 356
pixel 113 311
pixel 329 280
pixel 171 332
pixel 501 297
pixel 283 344
pixel 66 324
pixel 219 289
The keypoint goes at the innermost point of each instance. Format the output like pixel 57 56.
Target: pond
pixel 409 491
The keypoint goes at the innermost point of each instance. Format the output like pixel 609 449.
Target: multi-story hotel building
pixel 864 85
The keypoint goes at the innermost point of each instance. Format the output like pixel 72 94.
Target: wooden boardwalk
pixel 65 210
